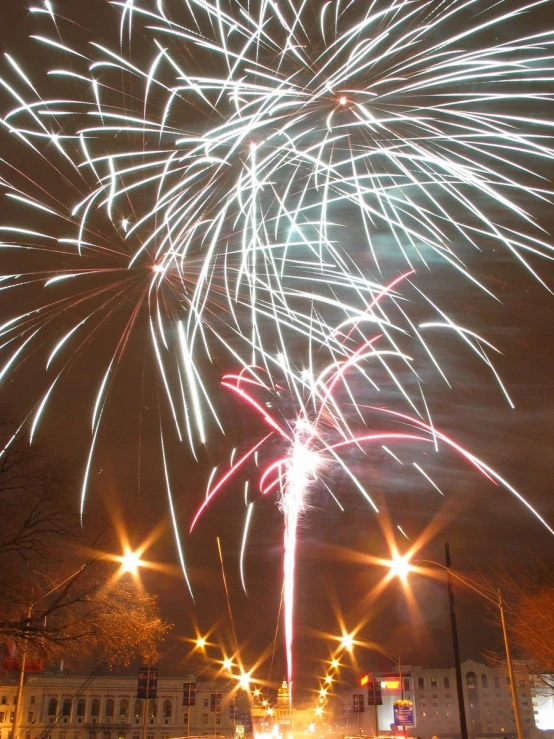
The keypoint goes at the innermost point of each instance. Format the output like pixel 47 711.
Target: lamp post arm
pixel 517 715
pixel 463 580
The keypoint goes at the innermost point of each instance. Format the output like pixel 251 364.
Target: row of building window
pixel 471 682
pixel 109 708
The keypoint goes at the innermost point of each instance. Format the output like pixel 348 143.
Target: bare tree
pixel 46 606
pixel 528 594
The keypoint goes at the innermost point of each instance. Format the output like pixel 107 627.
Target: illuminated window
pixel 123 708
pixel 433 683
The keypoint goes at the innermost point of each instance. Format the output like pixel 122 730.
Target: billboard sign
pixel 403 713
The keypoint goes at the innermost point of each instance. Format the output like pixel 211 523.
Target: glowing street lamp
pixel 130 562
pixel 498 603
pixel 347 642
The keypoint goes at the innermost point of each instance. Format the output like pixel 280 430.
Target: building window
pixel 110 708
pixel 205 702
pixel 433 683
pixel 30 716
pixel 81 706
pixel 138 709
pixel 124 709
pixel 121 734
pixel 66 708
pixel 446 682
pixel 484 681
pixel 471 680
pixel 204 719
pixel 95 708
pixel 166 709
pixel 406 683
pixel 52 706
pixel 421 683
pixel 422 705
pixel 32 700
pixel 152 709
pixel 186 718
pixel 2 716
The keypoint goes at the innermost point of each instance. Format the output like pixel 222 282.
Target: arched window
pixel 152 709
pixel 166 709
pixel 81 706
pixel 66 707
pixel 110 708
pixel 484 681
pixel 471 680
pixel 52 706
pixel 124 708
pixel 95 708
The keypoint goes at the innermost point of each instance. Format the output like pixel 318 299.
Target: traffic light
pixel 189 694
pixel 374 694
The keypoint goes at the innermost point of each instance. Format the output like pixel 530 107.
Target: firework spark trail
pixel 377 122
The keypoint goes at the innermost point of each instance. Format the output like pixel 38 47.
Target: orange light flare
pixel 130 562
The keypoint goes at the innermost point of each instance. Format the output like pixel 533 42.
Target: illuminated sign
pixel 390 684
pixel 364 680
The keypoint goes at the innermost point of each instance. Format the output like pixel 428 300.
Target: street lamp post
pixel 27 622
pixel 128 563
pixel 498 602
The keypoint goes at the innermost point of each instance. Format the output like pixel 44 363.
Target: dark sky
pixel 484 524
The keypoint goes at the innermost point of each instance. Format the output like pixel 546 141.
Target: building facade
pixel 433 693
pixel 106 707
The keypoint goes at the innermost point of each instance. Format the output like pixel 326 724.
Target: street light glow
pixel 400 566
pixel 347 642
pixel 130 562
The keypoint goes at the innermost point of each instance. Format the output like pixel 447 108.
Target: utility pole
pixel 515 703
pixel 456 647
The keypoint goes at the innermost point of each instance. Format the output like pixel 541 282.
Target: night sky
pixel 483 523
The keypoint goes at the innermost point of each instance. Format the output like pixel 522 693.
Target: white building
pixel 487 699
pixel 106 707
pixel 543 703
